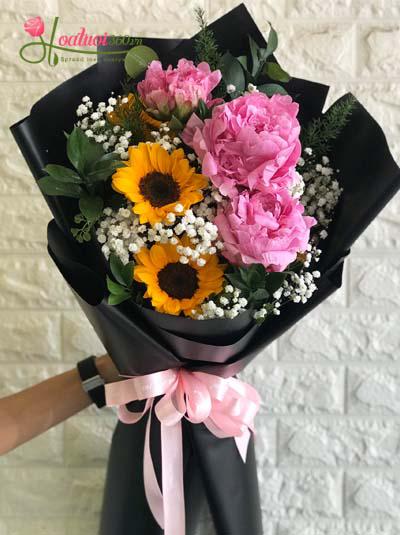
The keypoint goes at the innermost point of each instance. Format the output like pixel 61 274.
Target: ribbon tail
pixel 242 443
pixel 172 479
pixel 151 487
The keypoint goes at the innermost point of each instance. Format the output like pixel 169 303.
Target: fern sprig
pixel 320 133
pixel 205 44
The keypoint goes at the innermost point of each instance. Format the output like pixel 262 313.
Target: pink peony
pixel 266 228
pixel 252 142
pixel 177 91
pixel 35 26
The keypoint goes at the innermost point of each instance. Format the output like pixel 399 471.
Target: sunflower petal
pixel 145 276
pixel 141 207
pixel 172 306
pixel 143 257
pixel 158 256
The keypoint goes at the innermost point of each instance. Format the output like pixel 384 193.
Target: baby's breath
pixel 164 137
pixel 120 232
pixel 228 304
pixel 95 124
pixel 298 287
pixel 321 189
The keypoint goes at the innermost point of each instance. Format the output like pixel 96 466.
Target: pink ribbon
pixel 227 407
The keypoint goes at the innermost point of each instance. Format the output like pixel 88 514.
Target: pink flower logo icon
pixel 34 26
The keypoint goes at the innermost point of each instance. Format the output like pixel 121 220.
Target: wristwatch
pixel 92 382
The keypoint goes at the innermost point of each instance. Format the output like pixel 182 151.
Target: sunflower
pixel 124 110
pixel 156 181
pixel 174 287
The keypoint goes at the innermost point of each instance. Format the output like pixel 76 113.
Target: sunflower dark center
pixel 178 280
pixel 159 189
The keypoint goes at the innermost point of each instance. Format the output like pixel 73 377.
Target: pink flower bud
pixel 177 91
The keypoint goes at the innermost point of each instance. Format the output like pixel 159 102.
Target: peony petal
pixel 210 167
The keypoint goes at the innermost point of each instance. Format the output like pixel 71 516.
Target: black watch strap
pixel 92 382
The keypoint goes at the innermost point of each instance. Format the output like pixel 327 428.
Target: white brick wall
pixel 329 432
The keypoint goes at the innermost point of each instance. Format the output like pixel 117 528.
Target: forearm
pixel 35 410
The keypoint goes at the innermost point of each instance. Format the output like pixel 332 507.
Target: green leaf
pixel 175 124
pixel 110 157
pixel 236 281
pixel 118 293
pixel 91 207
pixel 272 43
pixel 94 152
pixel 79 218
pixel 274 281
pixel 244 274
pixel 99 176
pixel 76 145
pixel 82 152
pixel 101 172
pixel 116 299
pixel 127 273
pixel 50 186
pixel 137 60
pixel 232 72
pixel 62 174
pixel 260 294
pixel 104 167
pixel 202 110
pixel 255 55
pixel 256 276
pixel 243 62
pixel 114 287
pixel 275 72
pixel 118 269
pixel 272 89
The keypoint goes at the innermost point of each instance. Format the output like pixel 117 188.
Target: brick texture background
pixel 329 431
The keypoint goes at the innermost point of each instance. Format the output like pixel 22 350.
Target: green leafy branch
pixel 320 133
pixel 205 44
pixel 122 288
pixel 90 211
pixel 243 70
pixel 92 167
pixel 256 284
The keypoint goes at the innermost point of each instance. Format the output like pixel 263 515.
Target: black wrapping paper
pixel 142 341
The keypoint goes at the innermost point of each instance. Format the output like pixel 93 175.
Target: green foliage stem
pixel 320 133
pixel 205 44
pixel 92 168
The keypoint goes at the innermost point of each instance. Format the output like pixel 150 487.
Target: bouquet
pixel 202 205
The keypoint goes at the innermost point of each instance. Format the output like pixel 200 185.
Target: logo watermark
pixel 41 49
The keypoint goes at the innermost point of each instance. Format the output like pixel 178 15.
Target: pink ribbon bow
pixel 227 407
